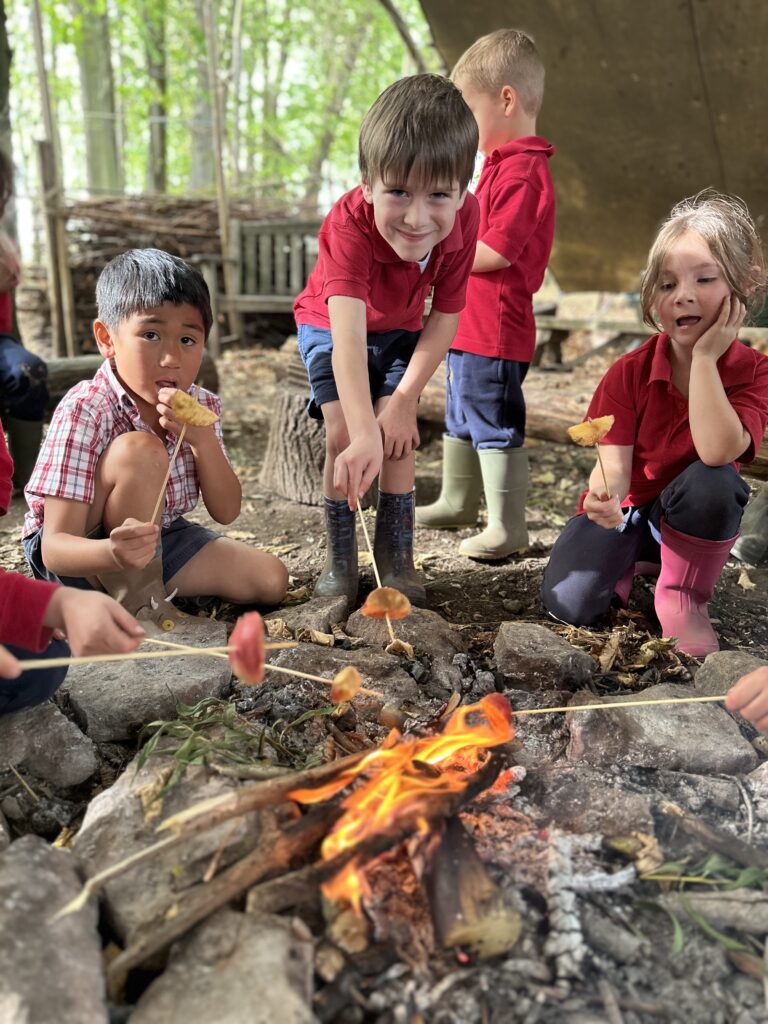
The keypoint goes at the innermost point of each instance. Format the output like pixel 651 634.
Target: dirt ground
pixel 473 596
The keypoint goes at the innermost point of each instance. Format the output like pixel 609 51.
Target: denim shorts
pixel 180 542
pixel 389 353
pixel 484 400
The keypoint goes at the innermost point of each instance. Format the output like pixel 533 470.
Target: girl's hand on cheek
pixel 717 339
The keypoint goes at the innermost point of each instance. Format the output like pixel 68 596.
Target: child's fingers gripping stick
pixel 603 510
pixel 133 543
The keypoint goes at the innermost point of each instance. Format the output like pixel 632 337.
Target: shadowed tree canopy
pixel 645 102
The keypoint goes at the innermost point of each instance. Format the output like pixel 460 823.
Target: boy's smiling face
pixel 411 216
pixel 159 347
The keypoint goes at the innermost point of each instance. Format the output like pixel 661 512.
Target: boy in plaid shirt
pixel 105 456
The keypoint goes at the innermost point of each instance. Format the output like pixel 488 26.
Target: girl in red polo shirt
pixel 690 404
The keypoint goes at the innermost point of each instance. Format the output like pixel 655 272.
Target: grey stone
pixel 113 700
pixel 52 969
pixel 318 613
pixel 426 631
pixel 235 969
pixel 585 800
pixel 115 827
pixel 609 937
pixel 697 738
pixel 542 739
pixel 757 783
pixel 698 792
pixel 381 672
pixel 5 833
pixel 720 671
pixel 533 657
pixel 45 743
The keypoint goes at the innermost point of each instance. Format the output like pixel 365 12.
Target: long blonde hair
pixel 726 226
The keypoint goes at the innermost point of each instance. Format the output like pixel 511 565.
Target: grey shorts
pixel 180 541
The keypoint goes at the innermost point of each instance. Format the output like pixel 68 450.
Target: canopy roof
pixel 647 101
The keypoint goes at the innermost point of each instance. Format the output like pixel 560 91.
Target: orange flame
pixel 402 775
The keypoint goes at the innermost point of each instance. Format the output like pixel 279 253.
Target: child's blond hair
pixel 505 57
pixel 420 124
pixel 726 226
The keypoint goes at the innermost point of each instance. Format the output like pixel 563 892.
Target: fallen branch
pixel 714 839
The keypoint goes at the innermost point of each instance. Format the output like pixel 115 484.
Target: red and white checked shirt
pixel 90 416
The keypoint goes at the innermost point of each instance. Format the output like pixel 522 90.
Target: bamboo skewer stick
pixel 375 567
pixel 161 495
pixel 179 651
pixel 270 645
pixel 602 468
pixel 620 704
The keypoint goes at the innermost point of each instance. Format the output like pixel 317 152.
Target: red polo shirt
pixel 355 260
pixel 652 415
pixel 23 602
pixel 517 220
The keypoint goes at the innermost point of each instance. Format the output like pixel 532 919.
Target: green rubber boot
pixel 24 437
pixel 505 481
pixel 752 545
pixel 460 493
pixel 340 575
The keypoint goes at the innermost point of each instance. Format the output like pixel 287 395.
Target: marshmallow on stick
pixel 589 435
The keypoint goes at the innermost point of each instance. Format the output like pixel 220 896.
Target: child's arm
pixel 219 486
pixel 749 696
pixel 68 552
pixel 358 465
pixel 398 418
pixel 599 508
pixel 718 433
pixel 487 259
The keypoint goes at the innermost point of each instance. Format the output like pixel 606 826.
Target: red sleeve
pixel 614 397
pixel 6 471
pixel 514 213
pixel 451 283
pixel 751 404
pixel 23 604
pixel 346 256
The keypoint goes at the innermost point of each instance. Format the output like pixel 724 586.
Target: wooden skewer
pixel 600 462
pixel 620 704
pixel 375 567
pixel 161 495
pixel 179 651
pixel 269 645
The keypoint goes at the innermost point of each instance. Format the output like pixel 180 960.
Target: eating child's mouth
pixel 687 321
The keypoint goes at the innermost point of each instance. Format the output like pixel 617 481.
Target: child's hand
pixel 749 696
pixel 195 436
pixel 133 544
pixel 714 342
pixel 10 668
pixel 357 466
pixel 602 510
pixel 397 421
pixel 92 623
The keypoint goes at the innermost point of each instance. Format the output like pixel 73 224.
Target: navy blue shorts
pixel 34 687
pixel 484 400
pixel 180 541
pixel 389 353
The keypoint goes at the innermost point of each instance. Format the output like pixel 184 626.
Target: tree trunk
pixel 342 73
pixel 6 144
pixel 202 177
pixel 153 31
pixel 93 48
pixel 405 34
pixel 293 463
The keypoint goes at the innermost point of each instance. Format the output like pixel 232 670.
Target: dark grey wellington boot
pixel 393 546
pixel 339 576
pixel 24 438
pixel 752 545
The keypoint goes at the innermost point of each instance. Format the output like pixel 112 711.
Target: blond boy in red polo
pixel 501 77
pixel 408 229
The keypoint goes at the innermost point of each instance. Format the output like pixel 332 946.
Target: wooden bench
pixel 272 260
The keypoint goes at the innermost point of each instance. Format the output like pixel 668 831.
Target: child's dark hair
pixel 726 226
pixel 419 124
pixel 143 278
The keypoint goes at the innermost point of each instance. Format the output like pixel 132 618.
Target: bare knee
pixel 273 580
pixel 132 452
pixel 336 439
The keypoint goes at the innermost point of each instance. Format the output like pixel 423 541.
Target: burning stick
pixel 589 434
pixel 190 412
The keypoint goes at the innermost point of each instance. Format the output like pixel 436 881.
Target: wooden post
pixel 59 278
pixel 209 23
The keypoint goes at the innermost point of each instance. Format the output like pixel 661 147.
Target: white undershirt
pixel 423 263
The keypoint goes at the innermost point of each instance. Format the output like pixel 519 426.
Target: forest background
pixel 129 86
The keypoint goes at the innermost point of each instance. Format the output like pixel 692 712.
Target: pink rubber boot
pixel 690 568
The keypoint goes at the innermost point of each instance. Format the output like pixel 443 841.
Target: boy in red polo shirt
pixel 409 228
pixel 501 77
pixel 689 405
